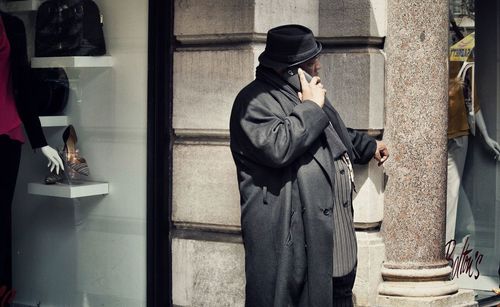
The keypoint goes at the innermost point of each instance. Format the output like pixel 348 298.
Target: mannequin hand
pixel 493 145
pixel 382 153
pixel 54 159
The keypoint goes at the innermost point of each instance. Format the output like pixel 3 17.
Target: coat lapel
pixel 330 148
pixel 319 151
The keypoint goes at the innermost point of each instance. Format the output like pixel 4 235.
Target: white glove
pixel 54 159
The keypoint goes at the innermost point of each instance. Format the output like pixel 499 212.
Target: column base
pixel 463 298
pixel 417 282
pixel 371 255
pixel 418 288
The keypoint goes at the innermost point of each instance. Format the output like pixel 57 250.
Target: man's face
pixel 312 66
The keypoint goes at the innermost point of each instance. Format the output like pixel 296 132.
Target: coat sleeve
pixel 269 137
pixel 21 80
pixel 364 146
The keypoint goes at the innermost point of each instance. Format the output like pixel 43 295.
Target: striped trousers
pixel 344 236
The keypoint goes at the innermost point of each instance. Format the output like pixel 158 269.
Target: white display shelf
pixel 21 6
pixel 72 62
pixel 54 121
pixel 81 189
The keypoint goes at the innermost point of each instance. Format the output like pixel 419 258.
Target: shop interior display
pixel 77 43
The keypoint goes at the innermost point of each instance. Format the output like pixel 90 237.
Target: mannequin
pixel 14 111
pixel 458 137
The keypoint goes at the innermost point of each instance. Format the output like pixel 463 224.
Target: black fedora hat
pixel 289 45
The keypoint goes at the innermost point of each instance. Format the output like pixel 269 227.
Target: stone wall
pixel 218 43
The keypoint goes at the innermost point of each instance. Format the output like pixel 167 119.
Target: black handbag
pixel 69 28
pixel 50 90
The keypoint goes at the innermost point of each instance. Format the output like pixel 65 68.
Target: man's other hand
pixel 313 90
pixel 382 153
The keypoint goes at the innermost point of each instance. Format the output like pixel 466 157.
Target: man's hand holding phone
pixel 312 90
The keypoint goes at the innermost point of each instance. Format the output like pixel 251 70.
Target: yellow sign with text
pixel 462 49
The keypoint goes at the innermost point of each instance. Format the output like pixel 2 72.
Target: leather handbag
pixel 69 28
pixel 50 90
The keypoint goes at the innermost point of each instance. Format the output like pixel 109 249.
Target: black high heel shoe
pixel 70 153
pixel 54 178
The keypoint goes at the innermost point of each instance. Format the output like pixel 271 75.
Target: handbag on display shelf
pixel 50 90
pixel 69 28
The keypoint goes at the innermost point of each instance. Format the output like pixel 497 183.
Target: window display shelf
pixel 21 6
pixel 81 189
pixel 72 62
pixel 54 121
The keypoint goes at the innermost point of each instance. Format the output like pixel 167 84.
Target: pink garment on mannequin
pixel 10 123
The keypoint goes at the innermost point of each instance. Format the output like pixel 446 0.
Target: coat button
pixel 326 212
pixel 342 172
pixel 346 204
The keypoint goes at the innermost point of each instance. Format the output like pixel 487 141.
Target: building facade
pixel 385 67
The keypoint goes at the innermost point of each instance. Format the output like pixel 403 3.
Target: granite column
pixel 415 272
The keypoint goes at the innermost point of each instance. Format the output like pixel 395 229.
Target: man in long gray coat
pixel 293 156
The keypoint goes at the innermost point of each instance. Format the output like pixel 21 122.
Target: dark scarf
pixel 337 138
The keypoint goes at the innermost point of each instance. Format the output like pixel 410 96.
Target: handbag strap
pixel 463 70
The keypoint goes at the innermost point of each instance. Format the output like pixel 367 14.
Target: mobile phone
pixel 291 75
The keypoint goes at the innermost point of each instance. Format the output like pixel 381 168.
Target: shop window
pixel 473 193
